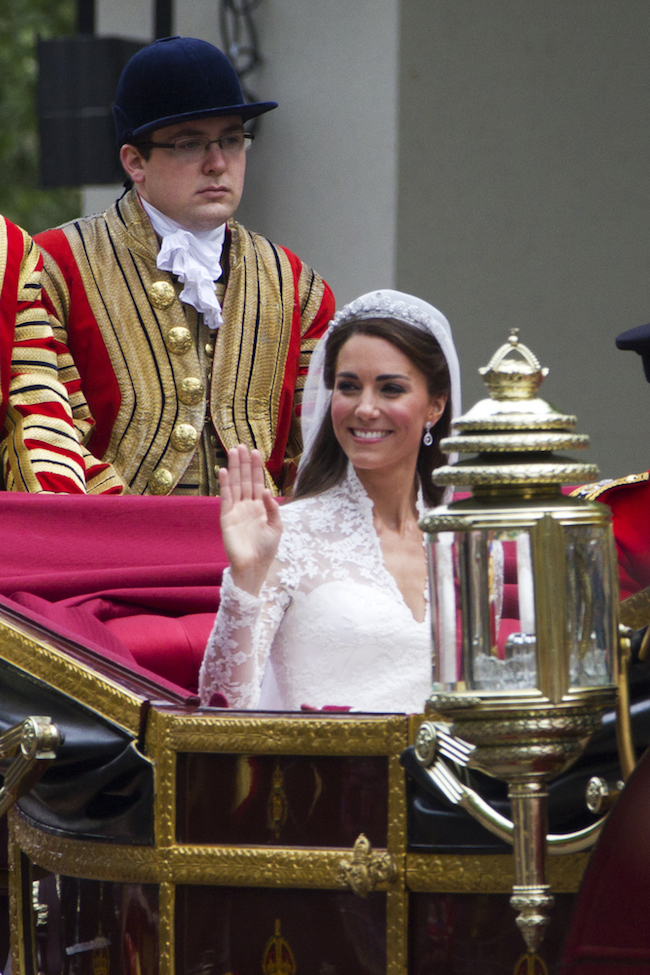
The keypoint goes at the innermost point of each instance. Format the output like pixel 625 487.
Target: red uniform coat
pixel 164 392
pixel 39 447
pixel 629 501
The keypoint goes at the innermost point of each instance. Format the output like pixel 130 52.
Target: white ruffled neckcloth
pixel 194 257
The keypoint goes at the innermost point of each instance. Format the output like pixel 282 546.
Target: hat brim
pixel 637 340
pixel 246 112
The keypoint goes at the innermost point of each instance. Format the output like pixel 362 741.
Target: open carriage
pixel 151 836
pixel 160 837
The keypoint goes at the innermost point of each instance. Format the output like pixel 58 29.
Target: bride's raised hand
pixel 250 519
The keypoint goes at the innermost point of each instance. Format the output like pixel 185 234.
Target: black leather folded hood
pixel 99 786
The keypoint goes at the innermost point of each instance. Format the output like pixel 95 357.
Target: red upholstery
pixel 138 575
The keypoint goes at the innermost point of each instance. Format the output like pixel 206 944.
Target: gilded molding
pixel 396 932
pixel 166 933
pixel 236 866
pixel 240 866
pixel 84 858
pixel 15 906
pixel 299 735
pixel 396 804
pixel 487 873
pixel 70 676
pixel 164 760
pixel 564 873
pixel 460 873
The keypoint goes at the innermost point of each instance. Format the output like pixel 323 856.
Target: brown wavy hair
pixel 327 461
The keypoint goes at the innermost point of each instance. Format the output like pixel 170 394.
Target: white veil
pixel 376 304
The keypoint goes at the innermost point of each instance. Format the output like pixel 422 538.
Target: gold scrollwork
pixel 365 870
pixel 70 676
pixel 299 735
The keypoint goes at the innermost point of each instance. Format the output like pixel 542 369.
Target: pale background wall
pixel 488 155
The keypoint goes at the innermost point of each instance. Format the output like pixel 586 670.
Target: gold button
pixel 213 441
pixel 209 349
pixel 162 294
pixel 190 391
pixel 178 340
pixel 184 437
pixel 161 481
pixel 217 469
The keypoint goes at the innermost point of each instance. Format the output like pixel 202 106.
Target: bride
pixel 325 602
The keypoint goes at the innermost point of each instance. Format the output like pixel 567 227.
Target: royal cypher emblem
pixel 530 964
pixel 278 956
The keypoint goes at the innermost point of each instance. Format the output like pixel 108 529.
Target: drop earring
pixel 427 439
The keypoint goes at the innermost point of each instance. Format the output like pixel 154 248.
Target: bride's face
pixel 380 404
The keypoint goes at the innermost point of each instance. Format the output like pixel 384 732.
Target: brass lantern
pixel 520 688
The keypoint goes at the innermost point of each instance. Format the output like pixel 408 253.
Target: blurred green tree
pixel 22 22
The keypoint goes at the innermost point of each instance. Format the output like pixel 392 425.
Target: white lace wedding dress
pixel 330 626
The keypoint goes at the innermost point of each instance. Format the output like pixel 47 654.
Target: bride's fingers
pixel 272 509
pixel 244 480
pixel 224 490
pixel 257 474
pixel 245 474
pixel 234 475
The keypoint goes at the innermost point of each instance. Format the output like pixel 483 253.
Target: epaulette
pixel 591 492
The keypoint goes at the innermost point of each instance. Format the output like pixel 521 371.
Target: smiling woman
pixel 325 601
pixel 380 405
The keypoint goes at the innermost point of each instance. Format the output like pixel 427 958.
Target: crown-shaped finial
pixel 514 433
pixel 513 372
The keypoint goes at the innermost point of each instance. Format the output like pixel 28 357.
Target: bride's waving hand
pixel 250 519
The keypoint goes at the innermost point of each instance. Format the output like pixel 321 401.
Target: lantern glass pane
pixel 591 594
pixel 484 627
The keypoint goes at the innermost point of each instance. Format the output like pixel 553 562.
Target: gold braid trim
pixel 116 257
pixel 311 288
pixel 635 610
pixel 253 343
pixel 57 290
pixel 35 383
pixel 592 492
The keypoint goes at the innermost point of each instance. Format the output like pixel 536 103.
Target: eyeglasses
pixel 195 147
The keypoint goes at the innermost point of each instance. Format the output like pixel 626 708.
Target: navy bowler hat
pixel 638 340
pixel 176 79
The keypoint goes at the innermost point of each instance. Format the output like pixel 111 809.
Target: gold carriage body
pixel 289 843
pixel 288 830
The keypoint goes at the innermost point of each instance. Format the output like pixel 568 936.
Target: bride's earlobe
pixel 436 411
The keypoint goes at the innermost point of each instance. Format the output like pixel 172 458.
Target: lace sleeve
pixel 239 645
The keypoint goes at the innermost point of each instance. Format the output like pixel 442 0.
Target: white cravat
pixel 193 256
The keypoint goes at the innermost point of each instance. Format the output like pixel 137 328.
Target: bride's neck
pixel 393 496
